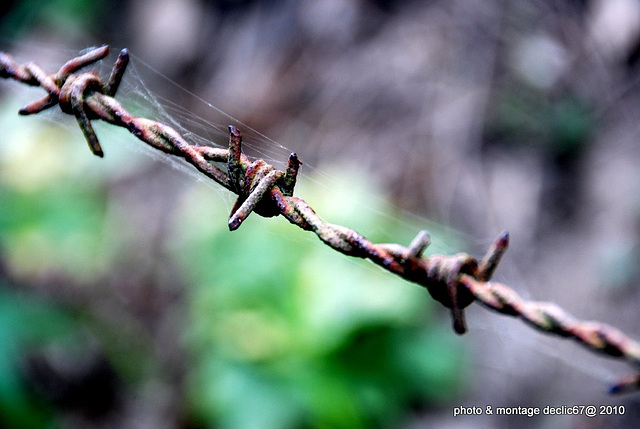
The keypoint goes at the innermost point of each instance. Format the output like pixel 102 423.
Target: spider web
pixel 212 130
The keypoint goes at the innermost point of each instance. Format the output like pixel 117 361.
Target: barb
pixel 455 281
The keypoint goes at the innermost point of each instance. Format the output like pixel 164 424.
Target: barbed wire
pixel 456 281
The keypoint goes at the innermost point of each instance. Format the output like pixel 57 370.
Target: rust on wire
pixel 455 281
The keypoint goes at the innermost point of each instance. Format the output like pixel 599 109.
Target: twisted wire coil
pixel 456 281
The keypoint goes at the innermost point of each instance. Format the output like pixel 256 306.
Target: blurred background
pixel 125 301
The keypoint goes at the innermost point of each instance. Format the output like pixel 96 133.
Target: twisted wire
pixel 456 281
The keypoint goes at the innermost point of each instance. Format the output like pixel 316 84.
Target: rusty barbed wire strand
pixel 456 281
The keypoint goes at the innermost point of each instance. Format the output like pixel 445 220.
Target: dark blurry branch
pixel 454 281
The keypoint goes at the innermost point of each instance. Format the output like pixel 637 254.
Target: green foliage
pixel 560 126
pixel 46 224
pixel 44 230
pixel 25 323
pixel 64 15
pixel 282 331
pixel 288 333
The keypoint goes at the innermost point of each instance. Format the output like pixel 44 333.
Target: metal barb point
pixel 419 244
pixel 254 182
pixel 490 261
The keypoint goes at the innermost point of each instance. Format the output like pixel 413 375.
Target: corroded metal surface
pixel 455 281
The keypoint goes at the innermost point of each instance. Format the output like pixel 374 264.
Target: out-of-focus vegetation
pixel 300 335
pixel 25 322
pixel 75 16
pixel 277 331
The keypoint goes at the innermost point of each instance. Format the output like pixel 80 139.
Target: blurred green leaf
pixel 65 15
pixel 283 332
pixel 561 125
pixel 24 324
pixel 288 333
pixel 56 226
